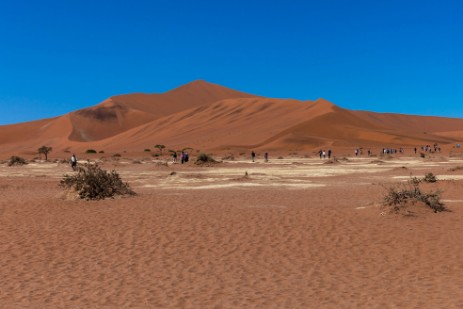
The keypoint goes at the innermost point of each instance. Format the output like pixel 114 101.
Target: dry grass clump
pixel 93 183
pixel 204 158
pixel 399 198
pixel 456 168
pixel 332 161
pixel 430 177
pixel 16 161
pixel 229 157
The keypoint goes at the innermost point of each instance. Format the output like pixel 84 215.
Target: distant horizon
pixel 400 57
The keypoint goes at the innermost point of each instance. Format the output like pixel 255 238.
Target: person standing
pixel 329 153
pixel 253 156
pixel 266 157
pixel 73 162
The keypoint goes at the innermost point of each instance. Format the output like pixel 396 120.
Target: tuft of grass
pixel 93 183
pixel 16 161
pixel 90 151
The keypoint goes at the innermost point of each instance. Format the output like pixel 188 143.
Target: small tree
pixel 160 147
pixel 45 150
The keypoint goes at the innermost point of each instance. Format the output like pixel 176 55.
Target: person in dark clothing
pixel 253 156
pixel 266 157
pixel 73 162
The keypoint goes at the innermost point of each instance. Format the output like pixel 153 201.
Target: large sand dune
pixel 211 117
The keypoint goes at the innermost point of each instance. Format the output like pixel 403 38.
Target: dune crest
pixel 210 116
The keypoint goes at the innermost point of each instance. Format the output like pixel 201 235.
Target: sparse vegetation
pixel 15 161
pixel 456 168
pixel 429 177
pixel 204 158
pixel 399 198
pixel 422 155
pixel 101 151
pixel 93 183
pixel 90 151
pixel 160 147
pixel 147 150
pixel 229 157
pixel 45 150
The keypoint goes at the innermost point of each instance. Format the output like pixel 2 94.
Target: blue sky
pixel 385 56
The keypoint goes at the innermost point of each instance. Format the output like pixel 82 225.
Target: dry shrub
pixel 93 183
pixel 399 198
pixel 229 157
pixel 332 161
pixel 456 168
pixel 204 158
pixel 429 177
pixel 162 164
pixel 16 161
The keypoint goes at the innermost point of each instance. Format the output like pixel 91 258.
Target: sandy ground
pixel 294 233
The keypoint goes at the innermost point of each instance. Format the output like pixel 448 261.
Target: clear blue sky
pixel 386 56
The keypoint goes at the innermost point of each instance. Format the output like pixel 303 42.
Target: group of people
pixel 430 149
pixel 184 157
pixel 324 153
pixel 253 156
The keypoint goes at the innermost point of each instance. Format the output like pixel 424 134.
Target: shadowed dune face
pixel 209 116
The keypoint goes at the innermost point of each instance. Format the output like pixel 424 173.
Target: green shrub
pixel 90 151
pixel 93 183
pixel 15 160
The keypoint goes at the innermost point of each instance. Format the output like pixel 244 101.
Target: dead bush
pixel 204 158
pixel 93 183
pixel 399 198
pixel 16 161
pixel 429 177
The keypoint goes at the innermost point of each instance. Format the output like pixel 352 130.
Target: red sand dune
pixel 208 116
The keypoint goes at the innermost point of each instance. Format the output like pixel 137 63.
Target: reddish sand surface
pixel 294 233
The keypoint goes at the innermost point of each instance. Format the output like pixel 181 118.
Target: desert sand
pixel 214 118
pixel 294 233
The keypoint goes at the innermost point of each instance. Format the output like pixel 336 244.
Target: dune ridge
pixel 210 117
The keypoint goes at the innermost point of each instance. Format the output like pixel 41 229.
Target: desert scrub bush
pixel 398 198
pixel 429 177
pixel 93 183
pixel 456 168
pixel 204 158
pixel 15 160
pixel 90 151
pixel 147 150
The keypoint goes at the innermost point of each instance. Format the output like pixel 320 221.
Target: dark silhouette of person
pixel 73 162
pixel 253 156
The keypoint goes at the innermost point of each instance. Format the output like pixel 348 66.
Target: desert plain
pixel 294 232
